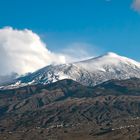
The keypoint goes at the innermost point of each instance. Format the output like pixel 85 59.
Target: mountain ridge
pixel 65 108
pixel 90 72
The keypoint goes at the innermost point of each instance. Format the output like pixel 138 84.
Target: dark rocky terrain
pixel 67 110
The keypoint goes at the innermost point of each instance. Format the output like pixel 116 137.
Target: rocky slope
pixel 69 110
pixel 90 72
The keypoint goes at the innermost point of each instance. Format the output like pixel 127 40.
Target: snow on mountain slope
pixel 89 72
pixel 108 60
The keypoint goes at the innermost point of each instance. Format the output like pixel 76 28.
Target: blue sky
pixel 97 25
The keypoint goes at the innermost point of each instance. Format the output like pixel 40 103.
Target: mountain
pixel 4 79
pixel 69 110
pixel 89 72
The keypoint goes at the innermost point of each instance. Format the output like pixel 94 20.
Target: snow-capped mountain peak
pixel 89 72
pixel 108 60
pixel 111 54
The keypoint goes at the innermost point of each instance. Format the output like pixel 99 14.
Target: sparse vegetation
pixel 67 110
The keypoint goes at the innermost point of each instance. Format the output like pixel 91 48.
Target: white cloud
pixel 136 5
pixel 79 51
pixel 23 51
